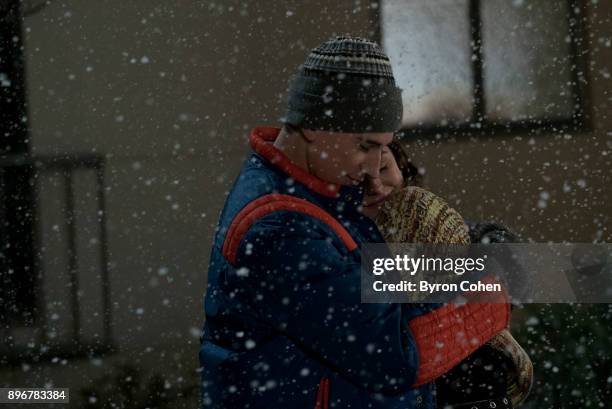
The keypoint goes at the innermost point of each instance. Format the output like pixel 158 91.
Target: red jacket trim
pixel 267 204
pixel 323 394
pixel 261 138
pixel 446 336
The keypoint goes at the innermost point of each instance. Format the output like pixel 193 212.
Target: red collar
pixel 261 139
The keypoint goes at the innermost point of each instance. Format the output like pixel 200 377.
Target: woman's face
pixel 377 189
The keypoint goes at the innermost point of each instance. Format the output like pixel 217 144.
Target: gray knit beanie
pixel 345 85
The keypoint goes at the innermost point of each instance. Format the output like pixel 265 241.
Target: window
pixel 486 65
pixel 66 308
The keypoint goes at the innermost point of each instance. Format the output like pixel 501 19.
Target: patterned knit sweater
pixel 415 215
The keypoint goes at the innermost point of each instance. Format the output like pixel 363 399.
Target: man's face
pixel 345 158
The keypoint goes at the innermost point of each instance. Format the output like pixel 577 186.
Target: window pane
pixel 428 43
pixel 526 57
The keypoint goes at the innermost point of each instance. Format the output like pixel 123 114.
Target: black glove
pixel 491 232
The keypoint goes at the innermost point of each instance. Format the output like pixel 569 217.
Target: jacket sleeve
pixel 302 282
pixel 448 334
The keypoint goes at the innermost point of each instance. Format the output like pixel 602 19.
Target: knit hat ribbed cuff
pixel 352 104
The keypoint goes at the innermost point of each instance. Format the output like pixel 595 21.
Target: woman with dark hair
pixel 410 172
pixel 497 375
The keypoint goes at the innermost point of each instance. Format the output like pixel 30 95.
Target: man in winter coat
pixel 285 327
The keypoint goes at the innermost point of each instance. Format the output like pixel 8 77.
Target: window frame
pixel 21 172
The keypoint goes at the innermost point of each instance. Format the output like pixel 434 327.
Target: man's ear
pixel 308 135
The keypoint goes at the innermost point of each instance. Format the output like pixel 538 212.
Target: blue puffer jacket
pixel 285 326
